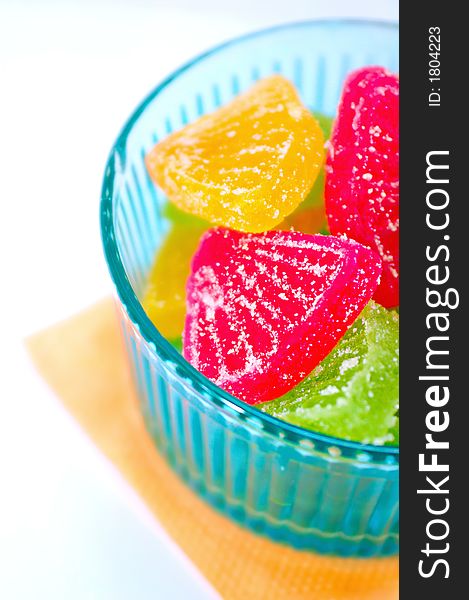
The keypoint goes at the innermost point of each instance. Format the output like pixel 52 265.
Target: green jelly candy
pixel 354 392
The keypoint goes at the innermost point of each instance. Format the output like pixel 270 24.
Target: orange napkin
pixel 83 360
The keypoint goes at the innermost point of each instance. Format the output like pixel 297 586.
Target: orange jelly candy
pixel 247 165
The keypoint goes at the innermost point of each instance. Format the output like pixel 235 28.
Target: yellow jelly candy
pixel 248 164
pixel 164 299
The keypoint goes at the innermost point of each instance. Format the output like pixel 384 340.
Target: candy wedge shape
pixel 263 310
pixel 362 171
pixel 248 164
pixel 354 392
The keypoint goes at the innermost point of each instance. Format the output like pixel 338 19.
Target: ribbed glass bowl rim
pixel 259 420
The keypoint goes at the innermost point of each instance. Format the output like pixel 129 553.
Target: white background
pixel 70 73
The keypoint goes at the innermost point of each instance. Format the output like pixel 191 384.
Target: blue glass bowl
pixel 308 490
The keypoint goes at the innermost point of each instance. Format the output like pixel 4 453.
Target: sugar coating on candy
pixel 248 164
pixel 263 310
pixel 362 171
pixel 354 392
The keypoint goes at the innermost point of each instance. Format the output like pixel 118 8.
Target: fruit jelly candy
pixel 308 217
pixel 354 392
pixel 164 298
pixel 248 164
pixel 263 310
pixel 362 171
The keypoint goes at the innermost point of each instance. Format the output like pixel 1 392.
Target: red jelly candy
pixel 362 171
pixel 264 309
